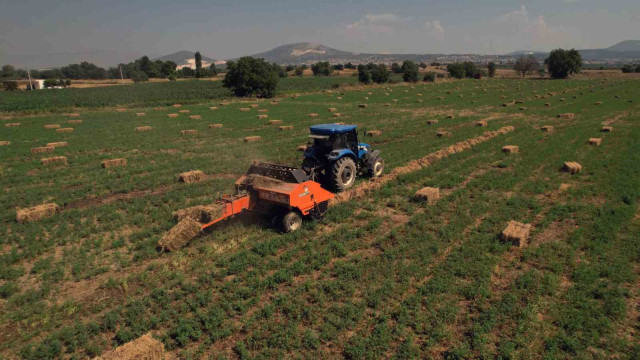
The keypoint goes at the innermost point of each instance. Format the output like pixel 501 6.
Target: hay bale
pixel 332 109
pixel 510 149
pixel 263 110
pixel 274 122
pixel 191 176
pixel 36 213
pixel 177 105
pixel 189 132
pixel 245 109
pixel 195 117
pixel 597 103
pixel 595 141
pixel 363 105
pixel 562 99
pixel 394 100
pixel 373 133
pixel 313 115
pixel 482 123
pixel 172 116
pixel 11 124
pixel 179 235
pixel 302 148
pixel 339 98
pixel 200 213
pixel 432 122
pixel 547 104
pixel 64 130
pixel 54 160
pixel 215 126
pixel 274 102
pixel 5 143
pixel 114 162
pixel 519 102
pixel 251 138
pixel 142 348
pixel 141 114
pixel 52 126
pixel 516 233
pixel 253 106
pixel 430 195
pixel 121 109
pixel 337 115
pixel 450 117
pixel 73 115
pixel 606 129
pixel 42 149
pixel 184 111
pixel 213 108
pixel 286 127
pixel 572 167
pixel 443 134
pixel 77 121
pixel 419 101
pixel 143 128
pixel 522 108
pixel 566 116
pixel 262 117
pixel 58 144
pixel 158 108
pixel 547 128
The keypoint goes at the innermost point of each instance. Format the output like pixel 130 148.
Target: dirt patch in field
pixel 556 231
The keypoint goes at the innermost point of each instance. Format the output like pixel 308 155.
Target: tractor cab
pixel 335 156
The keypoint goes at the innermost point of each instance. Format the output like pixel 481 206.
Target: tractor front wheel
pixel 376 167
pixel 291 222
pixel 343 174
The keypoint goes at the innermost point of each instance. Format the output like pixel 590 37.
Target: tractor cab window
pixel 352 140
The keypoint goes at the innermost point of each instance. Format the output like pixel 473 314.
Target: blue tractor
pixel 335 157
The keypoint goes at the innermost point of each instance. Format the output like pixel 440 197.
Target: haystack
pixel 54 160
pixel 547 104
pixel 597 103
pixel 510 149
pixel 11 124
pixel 143 348
pixel 36 212
pixel 263 110
pixel 143 128
pixel 245 109
pixel 566 116
pixel 114 162
pixel 177 105
pixel 52 126
pixel 172 115
pixel 286 127
pixel 58 144
pixel 450 117
pixel 42 149
pixel 253 106
pixel 572 167
pixel 184 111
pixel 141 114
pixel 195 117
pixel 77 121
pixel 363 105
pixel 213 107
pixel 432 122
pixel 313 115
pixel 275 122
pixel 606 129
pixel 443 133
pixel 374 133
pixel 189 132
pixel 595 141
pixel 251 138
pixel 337 114
pixel 262 117
pixel 430 195
pixel 5 143
pixel 482 123
pixel 191 176
pixel 64 130
pixel 516 233
pixel 547 128
pixel 215 126
pixel 332 109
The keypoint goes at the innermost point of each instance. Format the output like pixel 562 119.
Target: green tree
pixel 562 63
pixel 290 68
pixel 198 58
pixel 526 65
pixel 322 68
pixel 364 74
pixel 8 71
pixel 187 72
pixel 349 65
pixel 380 74
pixel 281 72
pixel 423 65
pixel 395 67
pixel 429 77
pixel 299 71
pixel 139 76
pixel 409 71
pixel 491 68
pixel 10 85
pixel 457 70
pixel 251 77
pixel 213 70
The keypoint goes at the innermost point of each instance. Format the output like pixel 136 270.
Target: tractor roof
pixel 329 129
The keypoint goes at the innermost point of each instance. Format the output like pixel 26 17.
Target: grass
pixel 382 276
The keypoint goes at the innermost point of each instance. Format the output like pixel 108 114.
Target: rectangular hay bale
pixel 189 132
pixel 566 116
pixel 191 176
pixel 215 126
pixel 42 149
pixel 374 133
pixel 58 144
pixel 77 121
pixel 54 160
pixel 64 130
pixel 143 128
pixel 595 141
pixel 510 149
pixel 52 126
pixel 114 162
pixel 286 127
pixel 606 129
pixel 195 117
pixel 36 212
pixel 252 138
pixel 572 167
pixel 516 233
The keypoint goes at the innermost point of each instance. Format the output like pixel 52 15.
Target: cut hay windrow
pixel 77 121
pixel 430 195
pixel 5 143
pixel 191 176
pixel 11 124
pixel 572 167
pixel 595 141
pixel 42 149
pixel 286 127
pixel 373 133
pixel 195 117
pixel 52 126
pixel 251 138
pixel 58 144
pixel 215 126
pixel 143 128
pixel 113 162
pixel 516 233
pixel 142 348
pixel 64 130
pixel 189 132
pixel 510 149
pixel 172 116
pixel 374 184
pixel 36 213
pixel 54 160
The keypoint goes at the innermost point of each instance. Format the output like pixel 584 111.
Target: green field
pixel 382 276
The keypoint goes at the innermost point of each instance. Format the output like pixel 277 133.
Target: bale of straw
pixel 158 108
pixel 213 108
pixel 336 114
pixel 286 127
pixel 519 102
pixel 482 123
pixel 450 117
pixel 58 144
pixel 114 162
pixel 572 167
pixel 443 133
pixel 510 149
pixel 245 109
pixel 121 109
pixel 253 106
pixel 52 126
pixel 387 104
pixel 5 143
pixel 77 121
pixel 42 149
pixel 547 128
pixel 224 103
pixel 189 132
pixel 302 148
pixel 73 115
pixel 177 105
pixel 516 233
pixel 274 102
pixel 562 99
pixel 11 124
pixel 363 105
pixel 251 138
pixel 172 116
pixel 332 109
pixel 374 133
pixel 606 129
pixel 566 116
pixel 263 110
pixel 36 213
pixel 274 122
pixel 143 348
pixel 313 115
pixel 143 128
pixel 522 108
pixel 366 98
pixel 191 176
pixel 547 104
pixel 141 114
pixel 179 235
pixel 430 195
pixel 419 101
pixel 262 117
pixel 215 126
pixel 185 111
pixel 595 141
pixel 394 100
pixel 54 160
pixel 195 117
pixel 597 103
pixel 64 130
pixel 432 122
pixel 201 213
pixel 339 98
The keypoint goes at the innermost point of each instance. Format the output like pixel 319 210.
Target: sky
pixel 56 32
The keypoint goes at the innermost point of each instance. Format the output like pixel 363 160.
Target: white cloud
pixel 379 23
pixel 435 29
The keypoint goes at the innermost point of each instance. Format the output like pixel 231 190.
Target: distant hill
pixel 627 46
pixel 186 58
pixel 628 49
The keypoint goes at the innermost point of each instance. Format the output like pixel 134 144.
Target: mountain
pixel 627 46
pixel 186 58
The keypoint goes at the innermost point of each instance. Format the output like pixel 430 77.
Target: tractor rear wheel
pixel 343 174
pixel 291 222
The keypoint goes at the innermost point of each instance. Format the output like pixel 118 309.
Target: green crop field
pixel 381 276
